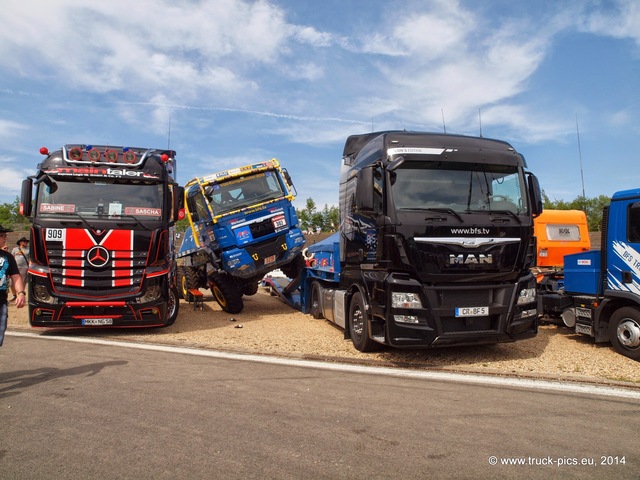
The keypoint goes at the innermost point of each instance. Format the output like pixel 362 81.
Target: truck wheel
pixel 187 279
pixel 624 332
pixel 227 293
pixel 294 267
pixel 359 326
pixel 315 310
pixel 250 288
pixel 173 305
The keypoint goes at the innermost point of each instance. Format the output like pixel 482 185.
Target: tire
pixel 250 288
pixel 294 267
pixel 315 310
pixel 227 293
pixel 187 279
pixel 359 326
pixel 173 306
pixel 624 332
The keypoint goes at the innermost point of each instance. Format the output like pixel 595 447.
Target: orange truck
pixel 558 233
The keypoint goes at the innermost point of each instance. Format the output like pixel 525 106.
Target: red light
pixel 111 155
pixel 181 214
pixel 94 155
pixel 75 154
pixel 164 157
pixel 44 150
pixel 129 156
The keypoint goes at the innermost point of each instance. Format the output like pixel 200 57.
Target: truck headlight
pixel 527 295
pixel 405 300
pixel 41 294
pixel 152 293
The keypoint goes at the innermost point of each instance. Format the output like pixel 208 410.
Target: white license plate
pixel 472 311
pixel 580 328
pixel 270 259
pixel 97 321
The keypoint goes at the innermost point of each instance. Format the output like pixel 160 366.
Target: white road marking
pixel 488 380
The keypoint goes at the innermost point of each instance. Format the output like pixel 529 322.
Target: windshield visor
pixel 244 192
pixel 103 198
pixel 461 187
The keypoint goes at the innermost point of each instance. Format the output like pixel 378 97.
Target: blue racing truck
pixel 242 226
pixel 434 247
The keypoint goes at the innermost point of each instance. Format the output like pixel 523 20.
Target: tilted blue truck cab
pixel 242 226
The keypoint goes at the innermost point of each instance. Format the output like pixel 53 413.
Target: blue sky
pixel 244 81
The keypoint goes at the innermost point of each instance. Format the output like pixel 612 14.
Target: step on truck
pixel 102 248
pixel 242 225
pixel 600 296
pixel 434 247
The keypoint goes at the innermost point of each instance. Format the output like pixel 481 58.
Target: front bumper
pixel 439 324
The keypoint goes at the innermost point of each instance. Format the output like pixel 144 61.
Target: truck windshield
pixel 458 187
pixel 244 192
pixel 100 198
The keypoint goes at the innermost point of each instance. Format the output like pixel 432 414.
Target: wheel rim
pixel 628 333
pixel 183 286
pixel 171 307
pixel 357 322
pixel 219 297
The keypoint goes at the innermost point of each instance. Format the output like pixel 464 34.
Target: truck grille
pixel 260 229
pixel 71 272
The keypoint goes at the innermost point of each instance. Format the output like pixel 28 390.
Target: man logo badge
pixel 98 256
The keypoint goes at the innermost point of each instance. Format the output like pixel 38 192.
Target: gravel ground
pixel 268 326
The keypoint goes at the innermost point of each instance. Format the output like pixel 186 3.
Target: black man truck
pixel 434 248
pixel 242 226
pixel 601 292
pixel 102 249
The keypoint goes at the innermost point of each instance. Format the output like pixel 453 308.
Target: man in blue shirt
pixel 8 270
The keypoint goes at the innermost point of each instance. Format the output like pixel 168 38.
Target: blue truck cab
pixel 602 288
pixel 242 226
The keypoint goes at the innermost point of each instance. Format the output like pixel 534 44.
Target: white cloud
pixel 622 21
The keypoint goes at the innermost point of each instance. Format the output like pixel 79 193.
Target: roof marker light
pixel 111 155
pixel 94 155
pixel 129 156
pixel 44 151
pixel 75 153
pixel 164 157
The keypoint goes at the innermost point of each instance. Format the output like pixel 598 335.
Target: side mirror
pixel 178 202
pixel 364 190
pixel 26 197
pixel 535 194
pixel 290 184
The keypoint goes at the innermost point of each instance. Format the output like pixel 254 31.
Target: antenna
pixel 444 127
pixel 480 120
pixel 169 135
pixel 584 198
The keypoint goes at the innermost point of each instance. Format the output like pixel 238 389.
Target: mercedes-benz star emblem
pixel 98 256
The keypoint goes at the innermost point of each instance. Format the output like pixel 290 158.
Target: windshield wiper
pixel 135 219
pixel 450 211
pixel 505 212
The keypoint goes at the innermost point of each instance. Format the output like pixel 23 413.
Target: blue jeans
pixel 3 321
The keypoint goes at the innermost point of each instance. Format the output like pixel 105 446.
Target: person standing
pixel 8 271
pixel 21 254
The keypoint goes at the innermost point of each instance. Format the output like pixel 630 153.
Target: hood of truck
pixel 464 253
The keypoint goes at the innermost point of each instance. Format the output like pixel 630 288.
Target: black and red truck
pixel 102 240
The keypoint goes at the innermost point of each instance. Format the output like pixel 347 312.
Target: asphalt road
pixel 71 410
